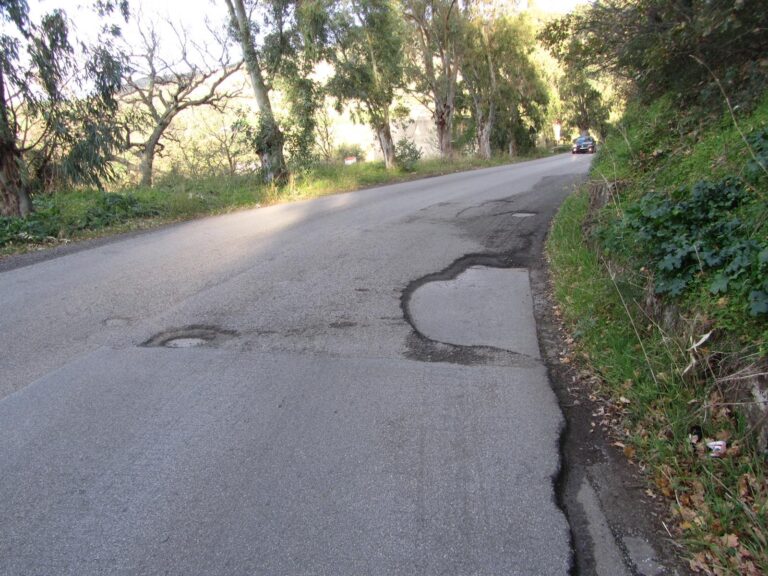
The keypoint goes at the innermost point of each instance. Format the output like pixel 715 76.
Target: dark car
pixel 584 145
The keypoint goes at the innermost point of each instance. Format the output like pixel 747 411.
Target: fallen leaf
pixel 723 435
pixel 700 563
pixel 730 540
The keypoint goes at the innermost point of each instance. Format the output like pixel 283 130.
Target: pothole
pixel 190 337
pixel 522 214
pixel 185 342
pixel 480 306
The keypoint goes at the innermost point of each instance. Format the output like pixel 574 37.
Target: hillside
pixel 660 266
pixel 660 263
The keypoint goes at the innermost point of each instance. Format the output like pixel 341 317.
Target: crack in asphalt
pixel 518 245
pixel 423 348
pixel 486 203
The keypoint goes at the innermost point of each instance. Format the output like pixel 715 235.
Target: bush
pixel 40 226
pixel 112 209
pixel 349 151
pixel 700 234
pixel 407 154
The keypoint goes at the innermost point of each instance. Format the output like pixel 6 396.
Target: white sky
pixel 561 6
pixel 193 12
pixel 189 14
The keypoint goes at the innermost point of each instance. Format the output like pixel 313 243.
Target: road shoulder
pixel 603 494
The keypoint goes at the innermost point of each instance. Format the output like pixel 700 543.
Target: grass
pixel 660 151
pixel 719 506
pixel 82 214
pixel 656 147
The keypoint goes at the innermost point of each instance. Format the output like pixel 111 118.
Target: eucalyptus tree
pixel 281 40
pixel 583 104
pixel 167 79
pixel 369 65
pixel 436 56
pixel 269 144
pixel 524 99
pixel 57 102
pixel 497 72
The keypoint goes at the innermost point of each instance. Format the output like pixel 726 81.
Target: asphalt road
pixel 368 397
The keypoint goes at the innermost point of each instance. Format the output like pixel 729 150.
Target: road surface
pixel 345 386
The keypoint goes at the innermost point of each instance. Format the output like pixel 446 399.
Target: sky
pixel 190 14
pixel 193 12
pixel 560 6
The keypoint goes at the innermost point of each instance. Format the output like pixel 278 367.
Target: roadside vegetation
pixel 660 264
pixel 79 214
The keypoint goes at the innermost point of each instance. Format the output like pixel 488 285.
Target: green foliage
pixel 368 57
pixel 757 166
pixel 436 33
pixel 263 137
pixel 689 213
pixel 500 80
pixel 407 154
pixel 344 151
pixel 111 209
pixel 304 98
pixel 700 235
pixel 702 240
pixel 583 104
pixel 369 62
pixel 91 212
pixel 56 133
pixel 678 47
pixel 640 366
pixel 42 225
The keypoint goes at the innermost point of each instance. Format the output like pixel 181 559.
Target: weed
pixel 43 225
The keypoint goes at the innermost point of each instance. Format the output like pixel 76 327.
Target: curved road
pixel 349 385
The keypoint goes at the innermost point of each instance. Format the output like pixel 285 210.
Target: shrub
pixel 407 154
pixel 43 224
pixel 670 46
pixel 111 209
pixel 699 234
pixel 349 150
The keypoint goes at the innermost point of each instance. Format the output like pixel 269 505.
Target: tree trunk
pixel 384 134
pixel 231 163
pixel 148 155
pixel 269 146
pixel 484 140
pixel 147 160
pixel 14 200
pixel 444 125
pixel 484 129
pixel 512 148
